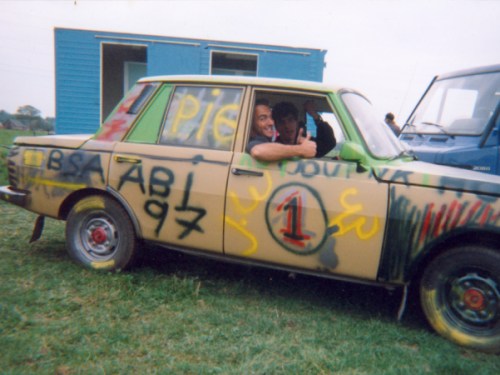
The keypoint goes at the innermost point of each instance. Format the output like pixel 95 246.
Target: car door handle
pixel 126 159
pixel 244 172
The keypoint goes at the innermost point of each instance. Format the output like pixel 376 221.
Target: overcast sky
pixel 387 49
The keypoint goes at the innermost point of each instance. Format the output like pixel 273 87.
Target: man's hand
pixel 300 136
pixel 306 146
pixel 274 151
pixel 310 108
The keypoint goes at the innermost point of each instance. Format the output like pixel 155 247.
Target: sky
pixel 387 49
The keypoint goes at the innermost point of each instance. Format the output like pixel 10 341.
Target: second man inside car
pixel 291 140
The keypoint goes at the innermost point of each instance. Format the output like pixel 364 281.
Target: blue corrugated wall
pixel 78 67
pixel 77 82
pixel 174 59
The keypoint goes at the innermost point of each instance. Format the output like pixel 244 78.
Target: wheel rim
pixel 99 237
pixel 475 299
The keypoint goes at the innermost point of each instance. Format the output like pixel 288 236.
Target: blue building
pixel 95 68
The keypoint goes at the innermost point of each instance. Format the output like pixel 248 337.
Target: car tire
pixel 100 235
pixel 460 296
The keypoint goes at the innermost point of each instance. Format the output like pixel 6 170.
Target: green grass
pixel 180 314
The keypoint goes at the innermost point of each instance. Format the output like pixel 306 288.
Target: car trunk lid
pixel 62 141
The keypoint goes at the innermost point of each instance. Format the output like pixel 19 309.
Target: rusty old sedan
pixel 169 167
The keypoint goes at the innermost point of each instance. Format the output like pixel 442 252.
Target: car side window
pixel 204 117
pixel 320 104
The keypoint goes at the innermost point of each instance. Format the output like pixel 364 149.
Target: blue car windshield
pixel 457 106
pixel 378 137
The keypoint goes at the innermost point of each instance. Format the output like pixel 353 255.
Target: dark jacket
pixel 325 139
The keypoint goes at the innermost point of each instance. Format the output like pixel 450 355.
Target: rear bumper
pixel 17 197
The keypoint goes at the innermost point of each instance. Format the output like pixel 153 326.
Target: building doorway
pixel 122 65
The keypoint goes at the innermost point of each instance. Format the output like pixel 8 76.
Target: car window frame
pixel 257 91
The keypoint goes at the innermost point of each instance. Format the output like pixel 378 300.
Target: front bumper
pixel 17 197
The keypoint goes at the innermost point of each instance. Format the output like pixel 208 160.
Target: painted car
pixel 169 166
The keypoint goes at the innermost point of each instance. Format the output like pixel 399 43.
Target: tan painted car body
pixel 172 156
pixel 192 198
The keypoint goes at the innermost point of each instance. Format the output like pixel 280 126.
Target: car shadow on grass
pixel 354 299
pixel 359 301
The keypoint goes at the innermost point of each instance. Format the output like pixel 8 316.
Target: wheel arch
pixel 472 236
pixel 76 196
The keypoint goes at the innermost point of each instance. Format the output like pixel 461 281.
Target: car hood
pixel 439 176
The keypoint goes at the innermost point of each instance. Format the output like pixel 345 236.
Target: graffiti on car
pixel 416 226
pixel 64 170
pixel 358 224
pixel 159 185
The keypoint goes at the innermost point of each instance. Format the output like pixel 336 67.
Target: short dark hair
pixel 389 116
pixel 262 101
pixel 284 109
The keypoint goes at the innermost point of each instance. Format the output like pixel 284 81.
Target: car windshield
pixel 457 106
pixel 379 138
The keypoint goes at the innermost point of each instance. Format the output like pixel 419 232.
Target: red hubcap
pixel 99 235
pixel 474 299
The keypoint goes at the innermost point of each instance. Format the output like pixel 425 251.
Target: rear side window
pixel 204 117
pixel 121 119
pixel 147 127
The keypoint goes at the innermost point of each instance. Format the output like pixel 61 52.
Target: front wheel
pixel 460 296
pixel 100 235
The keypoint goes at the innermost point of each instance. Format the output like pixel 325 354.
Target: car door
pixel 315 214
pixel 174 180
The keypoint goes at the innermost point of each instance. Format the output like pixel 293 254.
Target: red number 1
pixel 293 231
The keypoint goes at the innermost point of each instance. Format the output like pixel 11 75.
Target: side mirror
pixel 351 151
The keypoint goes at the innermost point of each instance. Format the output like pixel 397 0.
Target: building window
pixel 224 63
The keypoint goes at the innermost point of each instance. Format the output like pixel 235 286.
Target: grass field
pixel 184 315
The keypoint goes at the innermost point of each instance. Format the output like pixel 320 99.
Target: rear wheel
pixel 460 296
pixel 100 235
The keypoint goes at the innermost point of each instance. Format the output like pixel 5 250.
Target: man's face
pixel 263 123
pixel 287 128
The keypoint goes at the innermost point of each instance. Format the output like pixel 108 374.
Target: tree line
pixel 27 117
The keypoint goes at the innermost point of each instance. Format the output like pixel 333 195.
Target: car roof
pixel 243 80
pixel 470 71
